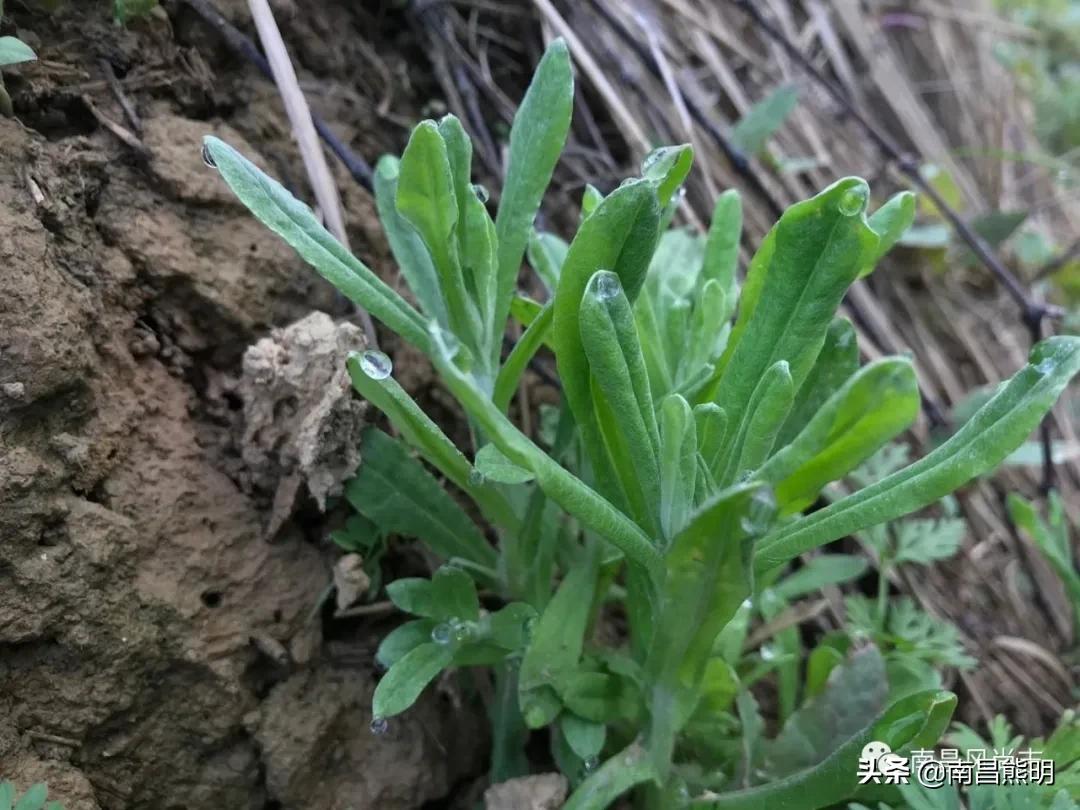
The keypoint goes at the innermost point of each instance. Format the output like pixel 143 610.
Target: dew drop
pixel 207 158
pixel 654 157
pixel 379 726
pixel 442 633
pixel 1046 367
pixel 590 764
pixel 528 627
pixel 853 201
pixel 481 192
pixel 376 364
pixel 760 513
pixel 606 286
pixel 477 478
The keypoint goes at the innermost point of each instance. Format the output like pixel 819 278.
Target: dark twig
pixel 358 168
pixel 121 97
pixel 1032 311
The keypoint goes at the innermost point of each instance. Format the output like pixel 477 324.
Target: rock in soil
pixel 546 791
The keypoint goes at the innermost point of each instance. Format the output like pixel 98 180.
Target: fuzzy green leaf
pixel 980 445
pixel 14 51
pixel 916 721
pixel 890 222
pixel 621 386
pixel 818 248
pixel 393 490
pixel 722 245
pixel 408 248
pixel 294 222
pixel 559 634
pixel 494 466
pixel 667 167
pixel 402 685
pixel 402 640
pixel 619 236
pixel 537 137
pixel 876 404
pixel 837 361
pixel 426 197
pixel 821 572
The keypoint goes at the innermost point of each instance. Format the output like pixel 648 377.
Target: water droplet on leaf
pixel 379 726
pixel 590 764
pixel 481 192
pixel 654 157
pixel 853 201
pixel 606 286
pixel 528 627
pixel 208 158
pixel 442 634
pixel 376 364
pixel 476 478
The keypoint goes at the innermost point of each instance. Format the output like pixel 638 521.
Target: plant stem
pixel 621 772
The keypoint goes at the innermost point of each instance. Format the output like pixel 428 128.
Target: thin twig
pixel 909 165
pixel 357 166
pixel 307 138
pixel 121 97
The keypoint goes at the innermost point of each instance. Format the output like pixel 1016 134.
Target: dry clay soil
pixel 155 650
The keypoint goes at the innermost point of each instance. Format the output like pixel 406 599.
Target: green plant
pixel 126 10
pixel 1062 747
pixel 1051 537
pixel 13 51
pixel 34 799
pixel 673 488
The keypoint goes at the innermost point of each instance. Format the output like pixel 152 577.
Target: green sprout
pixel 698 422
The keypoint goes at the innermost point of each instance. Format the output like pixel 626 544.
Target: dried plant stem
pixel 296 107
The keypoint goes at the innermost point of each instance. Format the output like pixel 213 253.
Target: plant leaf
pixel 890 222
pixel 998 427
pixel 853 697
pixel 557 640
pixel 14 51
pixel 393 490
pixel 402 640
pixel 912 722
pixel 619 236
pixel 621 386
pixel 494 466
pixel 297 225
pixel 667 167
pixel 722 245
pixel 835 363
pixel 410 252
pixel 763 119
pixel 546 254
pixel 876 404
pixel 426 198
pixel 537 136
pixel 406 679
pixel 821 572
pixel 818 249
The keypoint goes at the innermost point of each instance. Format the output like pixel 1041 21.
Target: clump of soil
pixel 155 651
